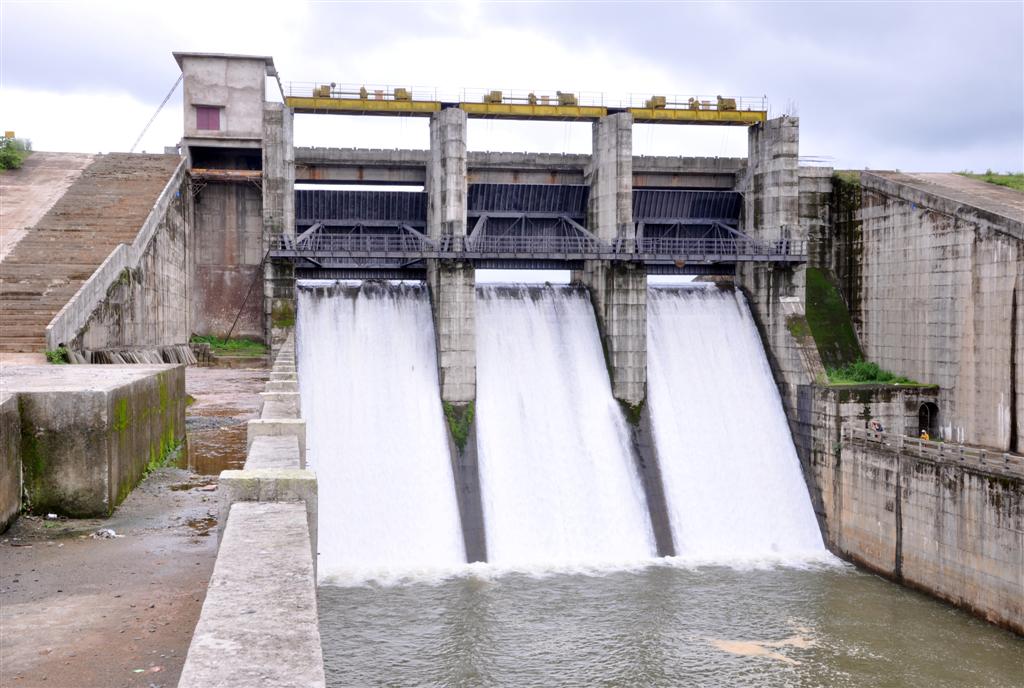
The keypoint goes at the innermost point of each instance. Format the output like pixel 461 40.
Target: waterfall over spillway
pixel 557 477
pixel 376 433
pixel 731 473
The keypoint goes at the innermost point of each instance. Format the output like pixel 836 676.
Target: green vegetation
pixel 1013 180
pixel 851 177
pixel 240 346
pixel 864 372
pixel 58 355
pixel 459 418
pixel 13 152
pixel 632 412
pixel 829 322
pixel 282 314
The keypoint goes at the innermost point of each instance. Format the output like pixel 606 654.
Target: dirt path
pixel 80 611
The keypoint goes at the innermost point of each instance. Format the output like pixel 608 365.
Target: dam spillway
pixel 560 481
pixel 377 442
pixel 731 473
pixel 557 477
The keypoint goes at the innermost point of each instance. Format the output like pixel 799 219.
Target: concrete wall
pixel 452 284
pixel 235 84
pixel 952 529
pixel 146 305
pixel 405 166
pixel 618 292
pixel 89 432
pixel 229 249
pixel 939 301
pixel 10 460
pixel 278 219
pixel 139 294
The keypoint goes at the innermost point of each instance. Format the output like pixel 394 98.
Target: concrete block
pixel 295 427
pixel 259 624
pixel 88 432
pixel 10 460
pixel 282 386
pixel 271 485
pixel 274 452
pixel 291 400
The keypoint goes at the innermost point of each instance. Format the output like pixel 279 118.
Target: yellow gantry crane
pixel 559 106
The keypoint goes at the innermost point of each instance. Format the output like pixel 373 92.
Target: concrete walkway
pixel 996 199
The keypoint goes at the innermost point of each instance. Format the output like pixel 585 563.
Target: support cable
pixel 150 122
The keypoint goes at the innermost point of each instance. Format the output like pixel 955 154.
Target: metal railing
pixel 566 247
pixel 518 96
pixel 942 452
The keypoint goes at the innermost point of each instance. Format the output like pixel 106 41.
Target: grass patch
pixel 1012 180
pixel 57 356
pixel 865 372
pixel 829 322
pixel 13 152
pixel 240 346
pixel 459 418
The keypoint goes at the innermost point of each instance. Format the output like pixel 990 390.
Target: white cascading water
pixel 377 438
pixel 731 474
pixel 557 477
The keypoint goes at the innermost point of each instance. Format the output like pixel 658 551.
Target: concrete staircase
pixel 105 206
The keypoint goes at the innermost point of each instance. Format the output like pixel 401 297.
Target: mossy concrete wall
pixel 951 529
pixel 10 460
pixel 89 433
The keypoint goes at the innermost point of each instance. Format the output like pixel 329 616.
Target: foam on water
pixel 557 477
pixel 732 477
pixel 376 433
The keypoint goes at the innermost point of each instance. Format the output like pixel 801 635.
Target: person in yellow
pixel 924 434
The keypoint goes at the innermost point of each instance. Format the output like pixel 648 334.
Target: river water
pixel 662 625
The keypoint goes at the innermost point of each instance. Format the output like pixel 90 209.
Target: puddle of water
pixel 202 526
pixel 212 451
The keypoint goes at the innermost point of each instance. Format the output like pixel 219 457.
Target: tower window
pixel 207 117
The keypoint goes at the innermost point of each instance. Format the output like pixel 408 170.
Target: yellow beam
pixel 525 111
pixel 360 106
pixel 687 116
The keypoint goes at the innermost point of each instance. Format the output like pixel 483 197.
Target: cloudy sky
pixel 930 86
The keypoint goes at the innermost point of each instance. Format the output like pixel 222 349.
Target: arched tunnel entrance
pixel 928 419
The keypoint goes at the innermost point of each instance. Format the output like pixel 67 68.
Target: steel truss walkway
pixel 521 226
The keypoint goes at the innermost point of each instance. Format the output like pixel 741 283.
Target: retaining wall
pixel 10 460
pixel 88 433
pixel 138 297
pixel 931 517
pixel 261 603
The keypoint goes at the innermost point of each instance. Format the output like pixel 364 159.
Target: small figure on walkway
pixel 876 426
pixel 925 435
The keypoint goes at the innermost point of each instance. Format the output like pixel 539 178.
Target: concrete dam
pixel 455 479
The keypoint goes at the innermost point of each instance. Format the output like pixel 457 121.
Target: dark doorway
pixel 928 419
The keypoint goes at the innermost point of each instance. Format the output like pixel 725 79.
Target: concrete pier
pixel 618 292
pixel 451 284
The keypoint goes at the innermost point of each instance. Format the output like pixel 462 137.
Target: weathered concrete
pixel 280 452
pixel 451 284
pixel 952 529
pixel 228 255
pixel 941 283
pixel 139 295
pixel 645 456
pixel 618 292
pixel 259 622
pixel 276 427
pixel 272 485
pixel 290 401
pixel 771 182
pixel 31 190
pixel 234 83
pixel 10 460
pixel 89 432
pixel 398 166
pixel 278 219
pixel 466 473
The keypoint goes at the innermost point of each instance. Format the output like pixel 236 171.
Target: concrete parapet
pixel 259 624
pixel 282 386
pixel 89 432
pixel 274 452
pixel 276 427
pixel 272 485
pixel 291 400
pixel 10 460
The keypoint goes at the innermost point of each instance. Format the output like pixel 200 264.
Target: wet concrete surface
pixel 81 610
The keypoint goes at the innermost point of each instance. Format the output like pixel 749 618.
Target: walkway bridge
pixel 521 226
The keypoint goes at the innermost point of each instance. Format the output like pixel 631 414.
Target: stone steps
pixel 105 206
